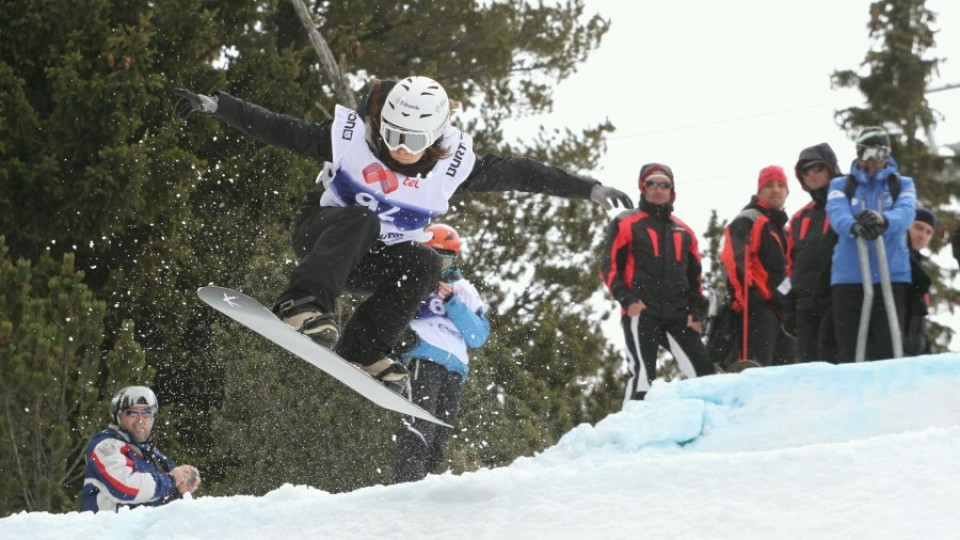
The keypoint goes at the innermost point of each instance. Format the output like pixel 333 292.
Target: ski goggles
pixel 873 153
pixel 412 141
pixel 133 413
pixel 447 258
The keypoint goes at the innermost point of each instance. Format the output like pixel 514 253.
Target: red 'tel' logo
pixel 375 173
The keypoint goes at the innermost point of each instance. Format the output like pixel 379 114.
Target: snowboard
pixel 257 317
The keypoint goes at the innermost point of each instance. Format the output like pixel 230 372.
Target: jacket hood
pixel 821 152
pixel 861 174
pixel 660 211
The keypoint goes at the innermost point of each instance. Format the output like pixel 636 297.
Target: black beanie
pixel 926 216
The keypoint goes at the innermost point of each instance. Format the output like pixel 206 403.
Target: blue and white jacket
pixel 121 472
pixel 447 329
pixel 872 192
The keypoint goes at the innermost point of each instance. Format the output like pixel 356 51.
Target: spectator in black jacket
pixel 755 257
pixel 918 292
pixel 807 314
pixel 955 242
pixel 652 268
pixel 392 166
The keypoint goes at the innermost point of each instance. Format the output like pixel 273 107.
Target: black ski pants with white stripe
pixel 645 334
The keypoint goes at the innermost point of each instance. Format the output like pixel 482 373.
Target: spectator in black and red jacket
pixel 755 257
pixel 807 314
pixel 652 268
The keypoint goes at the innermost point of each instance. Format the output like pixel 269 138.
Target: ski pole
pixel 746 300
pixel 867 306
pixel 887 290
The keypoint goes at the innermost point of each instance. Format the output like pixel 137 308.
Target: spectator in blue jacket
pixel 123 467
pixel 451 320
pixel 882 204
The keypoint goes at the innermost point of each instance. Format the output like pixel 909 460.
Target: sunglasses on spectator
pixel 814 167
pixel 657 185
pixel 133 413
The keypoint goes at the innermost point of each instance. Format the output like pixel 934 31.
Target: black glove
pixel 190 102
pixel 609 197
pixel 857 230
pixel 872 224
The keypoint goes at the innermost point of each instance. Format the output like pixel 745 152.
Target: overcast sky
pixel 718 90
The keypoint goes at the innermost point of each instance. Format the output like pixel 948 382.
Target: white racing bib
pixel 434 327
pixel 404 204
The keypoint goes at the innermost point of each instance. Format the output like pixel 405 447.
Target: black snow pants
pixel 338 250
pixel 421 446
pixel 767 344
pixel 847 302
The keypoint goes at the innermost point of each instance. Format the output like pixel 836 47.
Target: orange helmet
pixel 445 238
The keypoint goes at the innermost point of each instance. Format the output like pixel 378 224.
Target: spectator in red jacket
pixel 755 257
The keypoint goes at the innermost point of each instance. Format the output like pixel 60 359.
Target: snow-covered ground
pixel 807 451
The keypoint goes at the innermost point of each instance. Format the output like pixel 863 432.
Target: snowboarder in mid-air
pixel 392 166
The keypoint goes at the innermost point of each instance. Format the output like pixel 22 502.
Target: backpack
pixel 893 183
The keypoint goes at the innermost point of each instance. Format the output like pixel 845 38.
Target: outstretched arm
pixel 305 138
pixel 495 173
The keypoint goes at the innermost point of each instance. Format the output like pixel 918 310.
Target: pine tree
pixel 556 342
pixel 51 329
pixel 94 167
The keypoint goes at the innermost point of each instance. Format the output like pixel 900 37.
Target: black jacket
pixel 917 308
pixel 811 239
pixel 757 231
pixel 490 173
pixel 809 253
pixel 652 256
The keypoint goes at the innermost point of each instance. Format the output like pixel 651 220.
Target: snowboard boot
pixel 306 317
pixel 390 372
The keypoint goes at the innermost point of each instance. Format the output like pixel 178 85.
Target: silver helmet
pixel 130 396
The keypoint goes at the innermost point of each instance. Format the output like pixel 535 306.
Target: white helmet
pixel 415 115
pixel 130 396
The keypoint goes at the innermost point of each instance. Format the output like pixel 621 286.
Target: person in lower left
pixel 451 320
pixel 124 468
